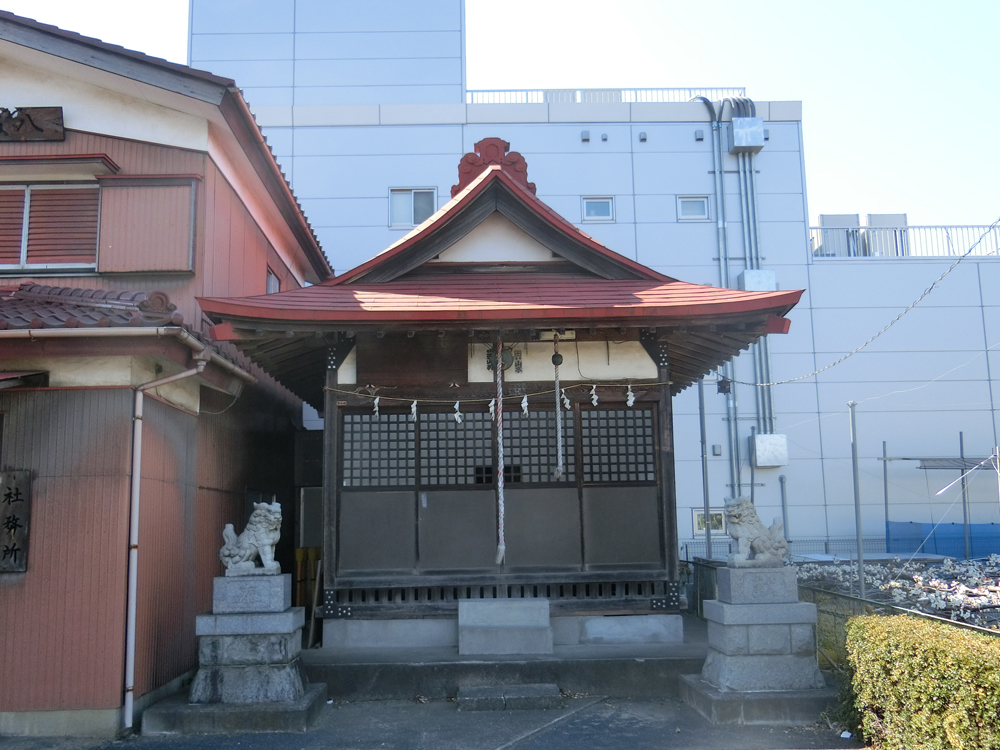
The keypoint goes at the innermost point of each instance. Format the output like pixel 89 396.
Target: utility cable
pixel 891 323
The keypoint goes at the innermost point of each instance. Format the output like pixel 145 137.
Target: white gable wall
pixel 496 240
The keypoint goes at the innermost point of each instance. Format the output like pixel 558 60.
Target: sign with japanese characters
pixel 15 519
pixel 31 124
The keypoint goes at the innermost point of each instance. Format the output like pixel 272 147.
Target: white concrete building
pixel 366 107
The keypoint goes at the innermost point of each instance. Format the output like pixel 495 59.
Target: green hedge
pixel 920 684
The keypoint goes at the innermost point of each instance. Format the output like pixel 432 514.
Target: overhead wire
pixel 891 323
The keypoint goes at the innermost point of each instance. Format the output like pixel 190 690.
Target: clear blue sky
pixel 901 101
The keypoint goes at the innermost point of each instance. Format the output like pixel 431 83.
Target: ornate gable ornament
pixel 491 151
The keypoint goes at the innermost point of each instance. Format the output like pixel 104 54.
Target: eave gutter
pixel 175 332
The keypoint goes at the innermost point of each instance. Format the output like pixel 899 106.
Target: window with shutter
pixel 44 226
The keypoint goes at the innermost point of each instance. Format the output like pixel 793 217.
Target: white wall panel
pixel 782 136
pixel 366 46
pixel 680 174
pixel 257 96
pixel 236 16
pixel 618 237
pixel 409 72
pixel 364 141
pixel 347 212
pixel 280 141
pixel 941 328
pixel 780 172
pixel 370 176
pixel 378 15
pixel 206 48
pixel 674 138
pixel 782 207
pixel 373 94
pixel 892 283
pixel 678 244
pixel 782 243
pixel 347 247
pixel 552 138
pixel 593 174
pixel 255 73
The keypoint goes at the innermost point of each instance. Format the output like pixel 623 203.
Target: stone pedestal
pixel 249 663
pixel 761 641
pixel 504 626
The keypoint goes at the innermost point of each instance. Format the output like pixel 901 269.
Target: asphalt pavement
pixel 585 722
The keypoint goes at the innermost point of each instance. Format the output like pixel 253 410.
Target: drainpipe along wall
pixel 133 532
pixel 718 168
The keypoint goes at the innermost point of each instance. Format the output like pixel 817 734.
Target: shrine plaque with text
pixel 15 519
pixel 31 124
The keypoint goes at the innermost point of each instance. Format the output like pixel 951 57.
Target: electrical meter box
pixel 769 451
pixel 746 135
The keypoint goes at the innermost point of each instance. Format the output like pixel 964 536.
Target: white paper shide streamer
pixel 375 407
pixel 524 405
pixel 593 395
pixel 458 413
pixel 629 397
pixel 413 410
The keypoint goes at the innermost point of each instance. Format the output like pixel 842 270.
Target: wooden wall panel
pixel 146 228
pixel 63 622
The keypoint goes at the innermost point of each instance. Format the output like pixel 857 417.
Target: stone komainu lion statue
pixel 759 547
pixel 263 530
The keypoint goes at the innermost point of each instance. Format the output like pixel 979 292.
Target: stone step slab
pixel 504 626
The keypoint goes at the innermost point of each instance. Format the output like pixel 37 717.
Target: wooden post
pixel 331 473
pixel 667 487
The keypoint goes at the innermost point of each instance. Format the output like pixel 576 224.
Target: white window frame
pixel 609 199
pixel 411 191
pixel 267 284
pixel 27 188
pixel 704 198
pixel 697 512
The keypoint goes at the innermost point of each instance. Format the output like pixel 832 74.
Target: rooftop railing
pixel 902 242
pixel 597 96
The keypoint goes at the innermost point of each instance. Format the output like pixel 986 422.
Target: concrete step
pixel 510 697
pixel 504 626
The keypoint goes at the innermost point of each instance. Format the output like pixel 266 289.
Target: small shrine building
pixel 446 479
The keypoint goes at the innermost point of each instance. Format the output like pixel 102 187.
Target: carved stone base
pixel 761 642
pixel 249 645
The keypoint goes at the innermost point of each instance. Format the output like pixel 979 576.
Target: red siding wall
pixel 231 252
pixel 63 622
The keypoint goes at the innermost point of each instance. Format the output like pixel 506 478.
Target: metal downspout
pixel 133 532
pixel 718 165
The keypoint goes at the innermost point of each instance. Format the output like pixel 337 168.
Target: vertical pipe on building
pixel 133 534
pixel 965 497
pixel 752 456
pixel 783 481
pixel 885 490
pixel 857 499
pixel 704 469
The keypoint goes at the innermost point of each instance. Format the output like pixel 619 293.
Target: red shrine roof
pixel 574 282
pixel 505 297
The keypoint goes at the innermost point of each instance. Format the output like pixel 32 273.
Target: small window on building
pixel 408 208
pixel 598 209
pixel 273 282
pixel 48 226
pixel 692 208
pixel 718 520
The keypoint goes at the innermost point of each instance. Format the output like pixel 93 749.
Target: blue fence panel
pixel 945 539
